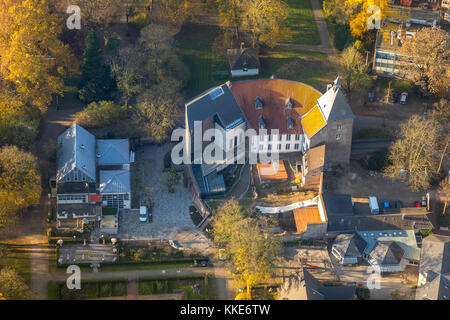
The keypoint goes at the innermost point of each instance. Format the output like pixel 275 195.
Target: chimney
pixel 228 83
pixel 329 86
pixel 242 46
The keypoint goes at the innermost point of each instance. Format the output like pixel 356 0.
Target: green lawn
pixel 19 261
pixel 309 67
pixel 195 45
pixel 301 22
pixel 195 41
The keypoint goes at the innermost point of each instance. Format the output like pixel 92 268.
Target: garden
pixel 89 290
pixel 195 288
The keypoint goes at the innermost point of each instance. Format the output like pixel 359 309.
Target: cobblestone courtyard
pixel 171 219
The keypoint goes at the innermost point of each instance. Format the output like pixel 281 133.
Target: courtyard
pixel 170 215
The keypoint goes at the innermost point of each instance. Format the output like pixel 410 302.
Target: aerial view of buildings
pixel 224 150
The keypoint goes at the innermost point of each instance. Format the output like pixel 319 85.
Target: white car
pixel 143 216
pixel 404 98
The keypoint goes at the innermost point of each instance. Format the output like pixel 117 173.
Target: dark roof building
pixel 243 59
pixel 217 102
pixel 303 286
pixel 387 253
pixel 349 247
pixel 337 204
pixel 434 269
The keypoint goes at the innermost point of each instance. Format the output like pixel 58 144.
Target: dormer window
pixel 259 103
pixel 245 67
pixel 290 123
pixel 289 103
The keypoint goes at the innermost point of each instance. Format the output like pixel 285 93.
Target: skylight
pixel 216 93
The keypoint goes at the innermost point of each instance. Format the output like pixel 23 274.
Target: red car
pixel 417 204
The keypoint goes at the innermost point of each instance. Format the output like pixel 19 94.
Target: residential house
pixel 303 286
pixel 90 174
pixel 434 269
pixel 243 62
pixel 349 248
pixel 76 178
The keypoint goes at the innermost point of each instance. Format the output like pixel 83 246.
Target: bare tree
pixel 354 70
pixel 414 155
pixel 429 53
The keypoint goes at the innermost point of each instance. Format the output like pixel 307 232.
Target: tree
pixel 93 13
pixel 156 110
pixel 442 111
pixel 250 249
pixel 96 80
pixel 414 155
pixel 428 54
pixel 230 13
pixel 33 60
pixel 263 18
pixel 101 114
pixel 170 179
pixel 126 67
pixel 354 70
pixel 20 183
pixel 444 189
pixel 12 286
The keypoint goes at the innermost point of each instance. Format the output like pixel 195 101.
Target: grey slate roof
pixel 387 253
pixel 114 181
pixel 378 222
pixel 304 286
pixel 341 109
pixel 237 58
pixel 338 204
pixel 113 152
pixel 224 106
pixel 435 263
pixel 76 150
pixel 350 245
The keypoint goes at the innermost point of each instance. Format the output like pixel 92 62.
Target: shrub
pixel 377 161
pixel 425 233
pixel 101 114
pixel 141 20
pixel 342 36
pixel 363 293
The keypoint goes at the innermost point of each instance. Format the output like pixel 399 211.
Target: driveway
pixel 171 219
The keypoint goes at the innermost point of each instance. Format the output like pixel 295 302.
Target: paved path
pixel 243 184
pixel 325 44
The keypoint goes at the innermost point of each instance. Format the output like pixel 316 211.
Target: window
pixel 338 137
pixel 339 127
pixel 269 147
pixel 279 146
pixel 288 146
pixel 288 137
pixel 297 137
pixel 261 146
pixel 296 146
pixel 270 137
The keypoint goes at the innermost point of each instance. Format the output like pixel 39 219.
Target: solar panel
pixel 216 93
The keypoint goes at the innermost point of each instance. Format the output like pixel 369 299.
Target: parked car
pixel 386 204
pixel 143 215
pixel 393 98
pixel 404 98
pixel 176 245
pixel 417 204
pixel 424 201
pixel 398 204
pixel 371 96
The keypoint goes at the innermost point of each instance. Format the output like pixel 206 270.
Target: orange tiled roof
pixel 313 121
pixel 274 93
pixel 266 172
pixel 305 216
